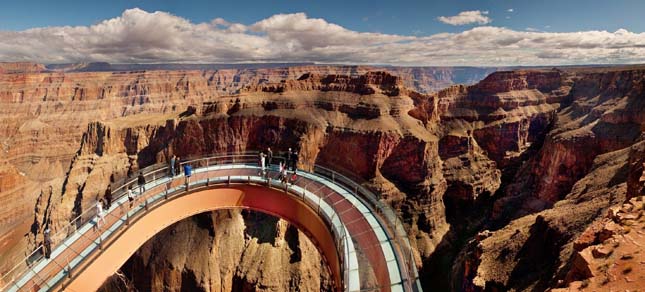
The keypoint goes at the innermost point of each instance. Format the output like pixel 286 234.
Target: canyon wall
pixel 589 162
pixel 230 250
pixel 499 177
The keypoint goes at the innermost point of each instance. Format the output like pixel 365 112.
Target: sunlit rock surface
pixel 533 157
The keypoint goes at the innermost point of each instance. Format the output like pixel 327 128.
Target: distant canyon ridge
pixel 506 178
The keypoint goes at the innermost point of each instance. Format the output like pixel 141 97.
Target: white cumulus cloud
pixel 466 17
pixel 138 36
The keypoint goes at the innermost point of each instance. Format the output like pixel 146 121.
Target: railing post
pixel 145 203
pixel 127 217
pixel 100 242
pixel 248 179
pixel 229 181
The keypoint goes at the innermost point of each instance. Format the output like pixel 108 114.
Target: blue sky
pixel 393 17
pixel 414 33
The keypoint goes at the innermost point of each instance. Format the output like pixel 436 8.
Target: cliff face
pixel 21 67
pixel 230 250
pixel 535 156
pixel 590 160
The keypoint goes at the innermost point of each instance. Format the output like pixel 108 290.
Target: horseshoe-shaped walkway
pixel 359 238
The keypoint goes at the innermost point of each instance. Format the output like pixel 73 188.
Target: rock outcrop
pixel 589 162
pixel 608 254
pixel 230 250
pixel 534 157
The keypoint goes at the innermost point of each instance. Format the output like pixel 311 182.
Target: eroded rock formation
pixel 531 156
pixel 230 250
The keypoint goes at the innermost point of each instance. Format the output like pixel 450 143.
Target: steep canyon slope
pixel 533 157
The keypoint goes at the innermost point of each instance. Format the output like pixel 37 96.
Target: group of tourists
pixel 104 204
pixel 290 163
pixel 141 182
pixel 265 161
pixel 175 168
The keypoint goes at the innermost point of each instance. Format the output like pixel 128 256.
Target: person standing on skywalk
pixel 269 156
pixel 130 196
pixel 172 165
pixel 108 196
pixel 100 215
pixel 261 161
pixel 47 243
pixel 294 160
pixel 188 171
pixel 141 180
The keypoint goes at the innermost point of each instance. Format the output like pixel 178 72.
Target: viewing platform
pixel 360 238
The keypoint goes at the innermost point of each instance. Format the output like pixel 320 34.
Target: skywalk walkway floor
pixel 370 256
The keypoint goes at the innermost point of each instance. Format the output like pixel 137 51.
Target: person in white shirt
pixel 280 173
pixel 262 158
pixel 100 215
pixel 130 196
pixel 283 174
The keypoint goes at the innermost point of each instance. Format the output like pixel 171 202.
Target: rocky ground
pixel 498 183
pixel 609 253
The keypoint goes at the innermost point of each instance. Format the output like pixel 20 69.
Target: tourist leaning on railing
pixel 188 171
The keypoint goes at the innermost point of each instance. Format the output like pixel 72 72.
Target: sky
pixel 411 33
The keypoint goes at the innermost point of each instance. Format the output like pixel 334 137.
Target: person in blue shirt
pixel 188 171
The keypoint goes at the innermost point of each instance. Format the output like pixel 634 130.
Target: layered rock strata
pixel 533 156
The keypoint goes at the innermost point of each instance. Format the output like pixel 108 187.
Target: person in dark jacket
pixel 108 197
pixel 294 160
pixel 269 157
pixel 177 166
pixel 172 165
pixel 47 243
pixel 288 158
pixel 141 180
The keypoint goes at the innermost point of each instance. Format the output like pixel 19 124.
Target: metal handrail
pixel 396 227
pixel 153 170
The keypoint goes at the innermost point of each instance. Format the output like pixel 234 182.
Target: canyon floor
pixel 525 180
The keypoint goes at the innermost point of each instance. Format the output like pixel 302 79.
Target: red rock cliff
pixel 522 148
